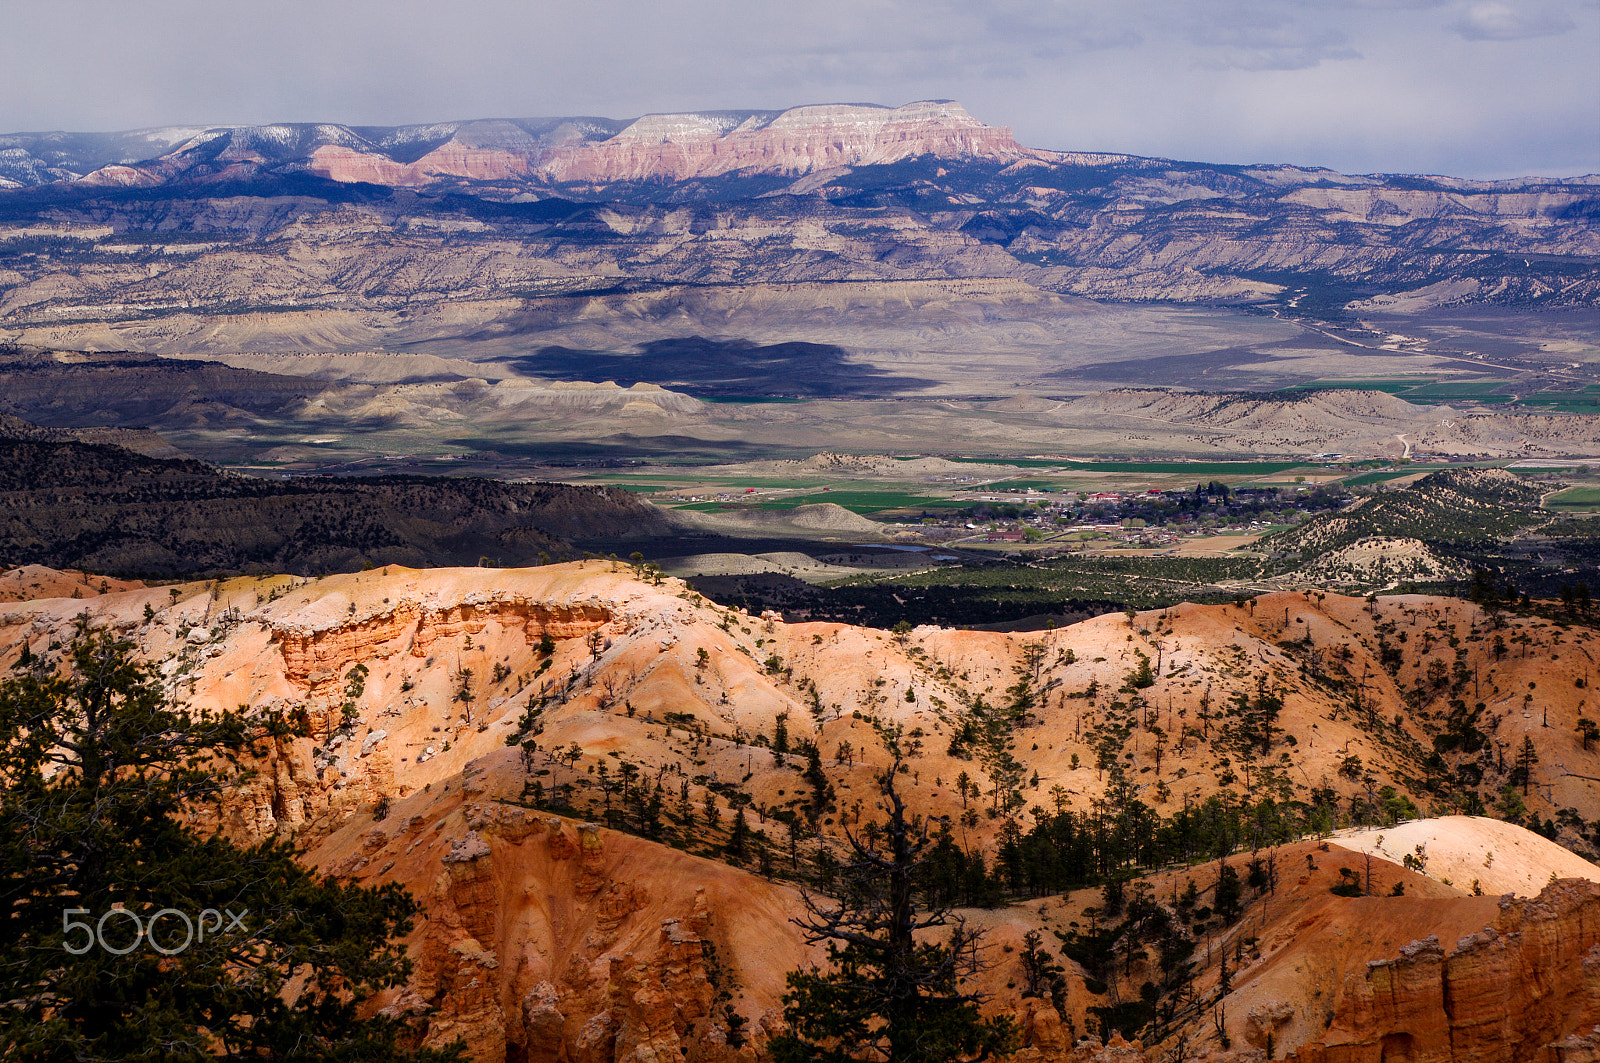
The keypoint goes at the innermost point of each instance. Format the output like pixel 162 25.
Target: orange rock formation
pixel 551 939
pixel 1500 995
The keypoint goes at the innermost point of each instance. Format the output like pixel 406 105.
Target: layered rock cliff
pixel 314 657
pixel 1525 988
pixel 680 147
pixel 798 141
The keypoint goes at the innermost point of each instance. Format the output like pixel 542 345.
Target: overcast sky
pixel 1470 87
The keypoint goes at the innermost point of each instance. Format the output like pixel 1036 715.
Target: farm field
pixel 1183 468
pixel 857 501
pixel 1386 475
pixel 1391 385
pixel 1494 391
pixel 1575 498
pixel 995 482
pixel 854 491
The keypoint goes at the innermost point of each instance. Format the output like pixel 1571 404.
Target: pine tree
pixel 1527 757
pixel 1042 975
pixel 738 847
pixel 1588 731
pixel 1229 892
pixel 821 789
pixel 101 769
pixel 686 815
pixel 713 814
pixel 889 996
pixel 780 737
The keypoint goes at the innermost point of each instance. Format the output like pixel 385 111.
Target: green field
pixel 1429 390
pixel 1575 498
pixel 1392 385
pixel 1445 389
pixel 1180 468
pixel 855 501
pixel 1585 401
pixel 1458 391
pixel 1016 463
pixel 1422 390
pixel 1389 474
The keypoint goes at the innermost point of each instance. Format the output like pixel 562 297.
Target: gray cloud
pixel 1259 44
pixel 1456 86
pixel 1497 21
pixel 1059 22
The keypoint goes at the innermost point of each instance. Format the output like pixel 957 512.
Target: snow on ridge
pixel 687 125
pixel 397 136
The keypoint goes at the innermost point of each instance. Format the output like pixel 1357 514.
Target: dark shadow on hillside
pixel 885 605
pixel 107 509
pixel 709 368
pixel 1245 367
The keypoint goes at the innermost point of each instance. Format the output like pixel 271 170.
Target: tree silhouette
pixel 1527 757
pixel 888 997
pixel 737 849
pixel 1042 975
pixel 101 770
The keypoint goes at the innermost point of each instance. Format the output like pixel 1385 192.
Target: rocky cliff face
pixel 1524 988
pixel 680 147
pixel 798 141
pixel 314 657
pixel 549 940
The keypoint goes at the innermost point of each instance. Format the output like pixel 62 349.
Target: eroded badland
pixel 553 759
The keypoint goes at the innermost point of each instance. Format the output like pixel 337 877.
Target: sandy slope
pixel 31 582
pixel 1460 850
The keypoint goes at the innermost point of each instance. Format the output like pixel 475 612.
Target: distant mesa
pixel 656 147
pixel 797 141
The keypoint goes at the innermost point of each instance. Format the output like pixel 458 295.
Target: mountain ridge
pixel 470 213
pixel 579 148
pixel 794 140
